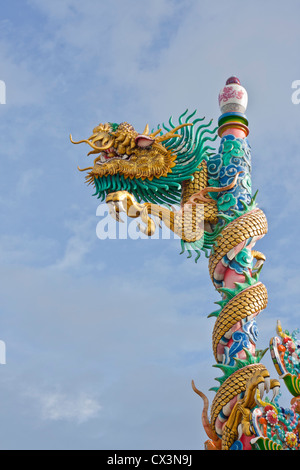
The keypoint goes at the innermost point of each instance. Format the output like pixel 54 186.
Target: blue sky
pixel 104 337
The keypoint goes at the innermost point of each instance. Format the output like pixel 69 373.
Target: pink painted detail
pixel 229 92
pixel 143 141
pixel 231 277
pixel 245 440
pixel 234 251
pixel 220 269
pixel 238 133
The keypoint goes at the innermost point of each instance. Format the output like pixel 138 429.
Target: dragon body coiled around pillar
pixel 144 175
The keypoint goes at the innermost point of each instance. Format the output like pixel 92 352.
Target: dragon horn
pixel 146 130
pixel 154 134
pixel 172 133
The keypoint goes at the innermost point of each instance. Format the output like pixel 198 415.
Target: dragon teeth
pixel 103 158
pixel 275 392
pixel 267 384
pixel 261 388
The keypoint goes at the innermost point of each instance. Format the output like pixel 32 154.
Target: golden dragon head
pixel 121 149
pixel 149 165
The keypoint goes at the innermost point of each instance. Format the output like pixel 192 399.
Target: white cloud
pixel 80 242
pixel 57 406
pixel 28 181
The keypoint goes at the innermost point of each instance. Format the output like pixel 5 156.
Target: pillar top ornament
pixel 233 101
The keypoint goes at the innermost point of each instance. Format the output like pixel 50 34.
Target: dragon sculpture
pixel 145 175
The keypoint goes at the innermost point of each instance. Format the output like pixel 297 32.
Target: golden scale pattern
pixel 194 186
pixel 187 224
pixel 191 187
pixel 251 224
pixel 243 305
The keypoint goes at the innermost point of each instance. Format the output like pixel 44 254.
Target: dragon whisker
pixel 85 169
pixel 95 147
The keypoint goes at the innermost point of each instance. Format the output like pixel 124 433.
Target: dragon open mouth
pixel 111 154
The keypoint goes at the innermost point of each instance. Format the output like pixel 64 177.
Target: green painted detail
pixel 264 443
pixel 231 149
pixel 238 213
pixel 114 126
pixel 233 118
pixel 239 363
pixel 246 183
pixel 292 383
pixel 205 244
pixel 215 184
pixel 244 258
pixel 226 201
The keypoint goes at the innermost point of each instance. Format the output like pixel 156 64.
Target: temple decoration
pixel 144 175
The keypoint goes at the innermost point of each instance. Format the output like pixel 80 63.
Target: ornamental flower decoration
pixel 272 417
pixel 291 439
